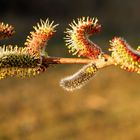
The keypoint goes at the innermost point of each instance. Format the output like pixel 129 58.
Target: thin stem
pixel 61 60
pixel 100 63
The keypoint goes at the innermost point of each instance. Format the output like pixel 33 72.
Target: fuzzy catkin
pixel 80 78
pixel 124 55
pixel 37 41
pixel 16 61
pixel 77 39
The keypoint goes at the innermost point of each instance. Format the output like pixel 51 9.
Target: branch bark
pixel 100 63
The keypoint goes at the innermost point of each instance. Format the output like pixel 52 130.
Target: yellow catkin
pixel 124 55
pixel 16 61
pixel 80 78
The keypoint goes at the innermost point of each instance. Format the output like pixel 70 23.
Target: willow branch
pixel 100 63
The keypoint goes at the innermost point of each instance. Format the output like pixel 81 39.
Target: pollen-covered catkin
pixel 16 61
pixel 80 78
pixel 124 55
pixel 77 37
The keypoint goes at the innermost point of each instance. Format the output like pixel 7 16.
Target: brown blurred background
pixel 107 108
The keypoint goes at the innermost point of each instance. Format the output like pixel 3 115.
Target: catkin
pixel 124 55
pixel 80 78
pixel 16 61
pixel 77 37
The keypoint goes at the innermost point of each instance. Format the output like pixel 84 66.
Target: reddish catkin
pixel 38 39
pixel 124 55
pixel 6 30
pixel 77 37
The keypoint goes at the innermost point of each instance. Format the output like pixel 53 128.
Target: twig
pixel 100 63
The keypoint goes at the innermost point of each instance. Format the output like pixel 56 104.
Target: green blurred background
pixel 107 108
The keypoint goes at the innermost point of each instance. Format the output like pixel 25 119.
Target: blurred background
pixel 107 108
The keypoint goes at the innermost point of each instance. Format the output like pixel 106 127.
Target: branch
pixel 100 63
pixel 33 59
